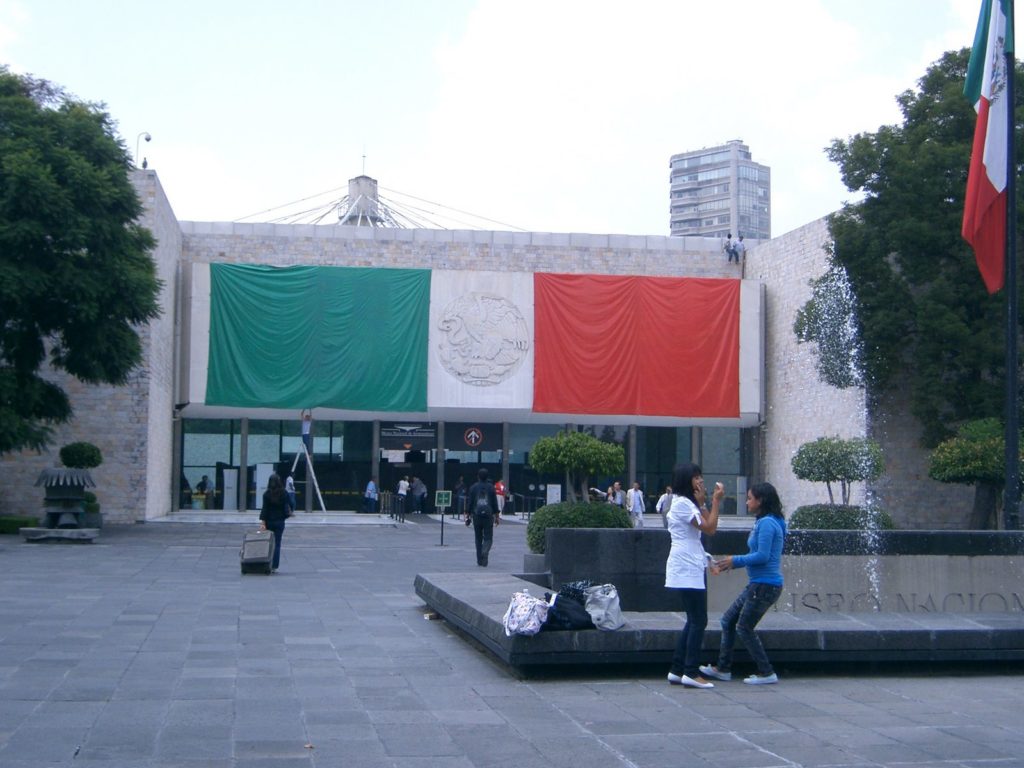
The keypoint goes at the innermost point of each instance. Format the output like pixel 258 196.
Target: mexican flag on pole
pixel 985 205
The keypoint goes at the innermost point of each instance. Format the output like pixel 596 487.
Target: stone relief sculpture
pixel 485 339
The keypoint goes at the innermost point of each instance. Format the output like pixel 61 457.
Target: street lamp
pixel 144 135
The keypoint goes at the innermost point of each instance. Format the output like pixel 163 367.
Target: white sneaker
pixel 761 679
pixel 695 682
pixel 709 671
pixel 674 679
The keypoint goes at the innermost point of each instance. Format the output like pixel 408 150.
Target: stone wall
pixel 130 424
pixel 282 245
pixel 155 485
pixel 913 499
pixel 931 572
pixel 800 408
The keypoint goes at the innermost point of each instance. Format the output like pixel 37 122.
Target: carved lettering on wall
pixel 902 602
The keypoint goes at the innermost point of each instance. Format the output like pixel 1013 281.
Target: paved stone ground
pixel 148 649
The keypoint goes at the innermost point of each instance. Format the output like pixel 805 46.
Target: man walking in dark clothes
pixel 482 508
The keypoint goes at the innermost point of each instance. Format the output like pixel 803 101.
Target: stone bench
pixel 74 535
pixel 475 602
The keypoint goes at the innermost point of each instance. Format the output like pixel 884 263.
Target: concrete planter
pixel 825 571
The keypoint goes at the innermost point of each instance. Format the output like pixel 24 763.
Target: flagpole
pixel 1011 511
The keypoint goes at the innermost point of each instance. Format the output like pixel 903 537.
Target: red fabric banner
pixel 625 345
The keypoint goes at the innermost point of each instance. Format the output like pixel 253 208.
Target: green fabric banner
pixel 307 337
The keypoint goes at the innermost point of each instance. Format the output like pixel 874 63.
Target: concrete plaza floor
pixel 148 649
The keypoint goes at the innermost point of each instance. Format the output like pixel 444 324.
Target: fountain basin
pixel 825 571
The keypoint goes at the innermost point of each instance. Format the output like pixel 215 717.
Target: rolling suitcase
pixel 257 553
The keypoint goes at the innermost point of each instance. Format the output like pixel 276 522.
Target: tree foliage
pixel 76 277
pixel 975 456
pixel 923 315
pixel 835 460
pixel 579 456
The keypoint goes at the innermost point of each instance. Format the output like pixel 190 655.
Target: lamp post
pixel 144 135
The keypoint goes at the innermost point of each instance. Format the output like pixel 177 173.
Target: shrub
pixel 89 503
pixel 835 517
pixel 568 514
pixel 9 524
pixel 80 456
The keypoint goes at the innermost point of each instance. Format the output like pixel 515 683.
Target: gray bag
pixel 603 606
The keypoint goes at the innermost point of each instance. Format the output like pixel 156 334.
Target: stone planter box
pixel 825 571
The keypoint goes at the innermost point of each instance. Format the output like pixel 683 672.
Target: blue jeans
pixel 686 659
pixel 741 618
pixel 278 531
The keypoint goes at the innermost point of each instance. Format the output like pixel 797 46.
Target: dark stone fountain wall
pixel 825 571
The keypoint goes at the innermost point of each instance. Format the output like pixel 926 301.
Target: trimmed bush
pixel 9 524
pixel 80 456
pixel 566 514
pixel 837 517
pixel 89 503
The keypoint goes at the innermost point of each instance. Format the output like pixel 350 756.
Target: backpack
pixel 483 506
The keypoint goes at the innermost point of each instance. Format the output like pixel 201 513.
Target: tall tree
pixel 923 314
pixel 76 276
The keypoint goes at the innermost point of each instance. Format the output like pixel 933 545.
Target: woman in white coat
pixel 686 567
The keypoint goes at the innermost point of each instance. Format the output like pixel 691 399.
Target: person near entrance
pixel 636 505
pixel 461 489
pixel 501 490
pixel 370 497
pixel 403 492
pixel 482 509
pixel 307 431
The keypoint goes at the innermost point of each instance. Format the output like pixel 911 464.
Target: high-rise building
pixel 718 190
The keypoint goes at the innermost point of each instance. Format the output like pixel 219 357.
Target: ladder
pixel 312 474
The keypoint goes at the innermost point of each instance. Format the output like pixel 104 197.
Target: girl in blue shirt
pixel 764 569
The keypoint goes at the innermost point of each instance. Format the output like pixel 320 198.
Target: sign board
pixel 229 488
pixel 472 436
pixel 408 436
pixel 442 499
pixel 554 493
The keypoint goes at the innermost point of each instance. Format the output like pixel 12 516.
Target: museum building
pixel 431 352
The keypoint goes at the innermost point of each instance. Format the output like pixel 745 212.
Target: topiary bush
pixel 567 514
pixel 89 503
pixel 80 456
pixel 837 517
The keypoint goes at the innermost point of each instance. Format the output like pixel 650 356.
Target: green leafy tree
pixel 924 318
pixel 835 460
pixel 975 456
pixel 76 277
pixel 579 455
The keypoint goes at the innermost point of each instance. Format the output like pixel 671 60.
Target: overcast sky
pixel 551 116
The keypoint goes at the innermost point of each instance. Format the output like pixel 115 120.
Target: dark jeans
pixel 741 618
pixel 686 659
pixel 369 505
pixel 483 533
pixel 278 529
